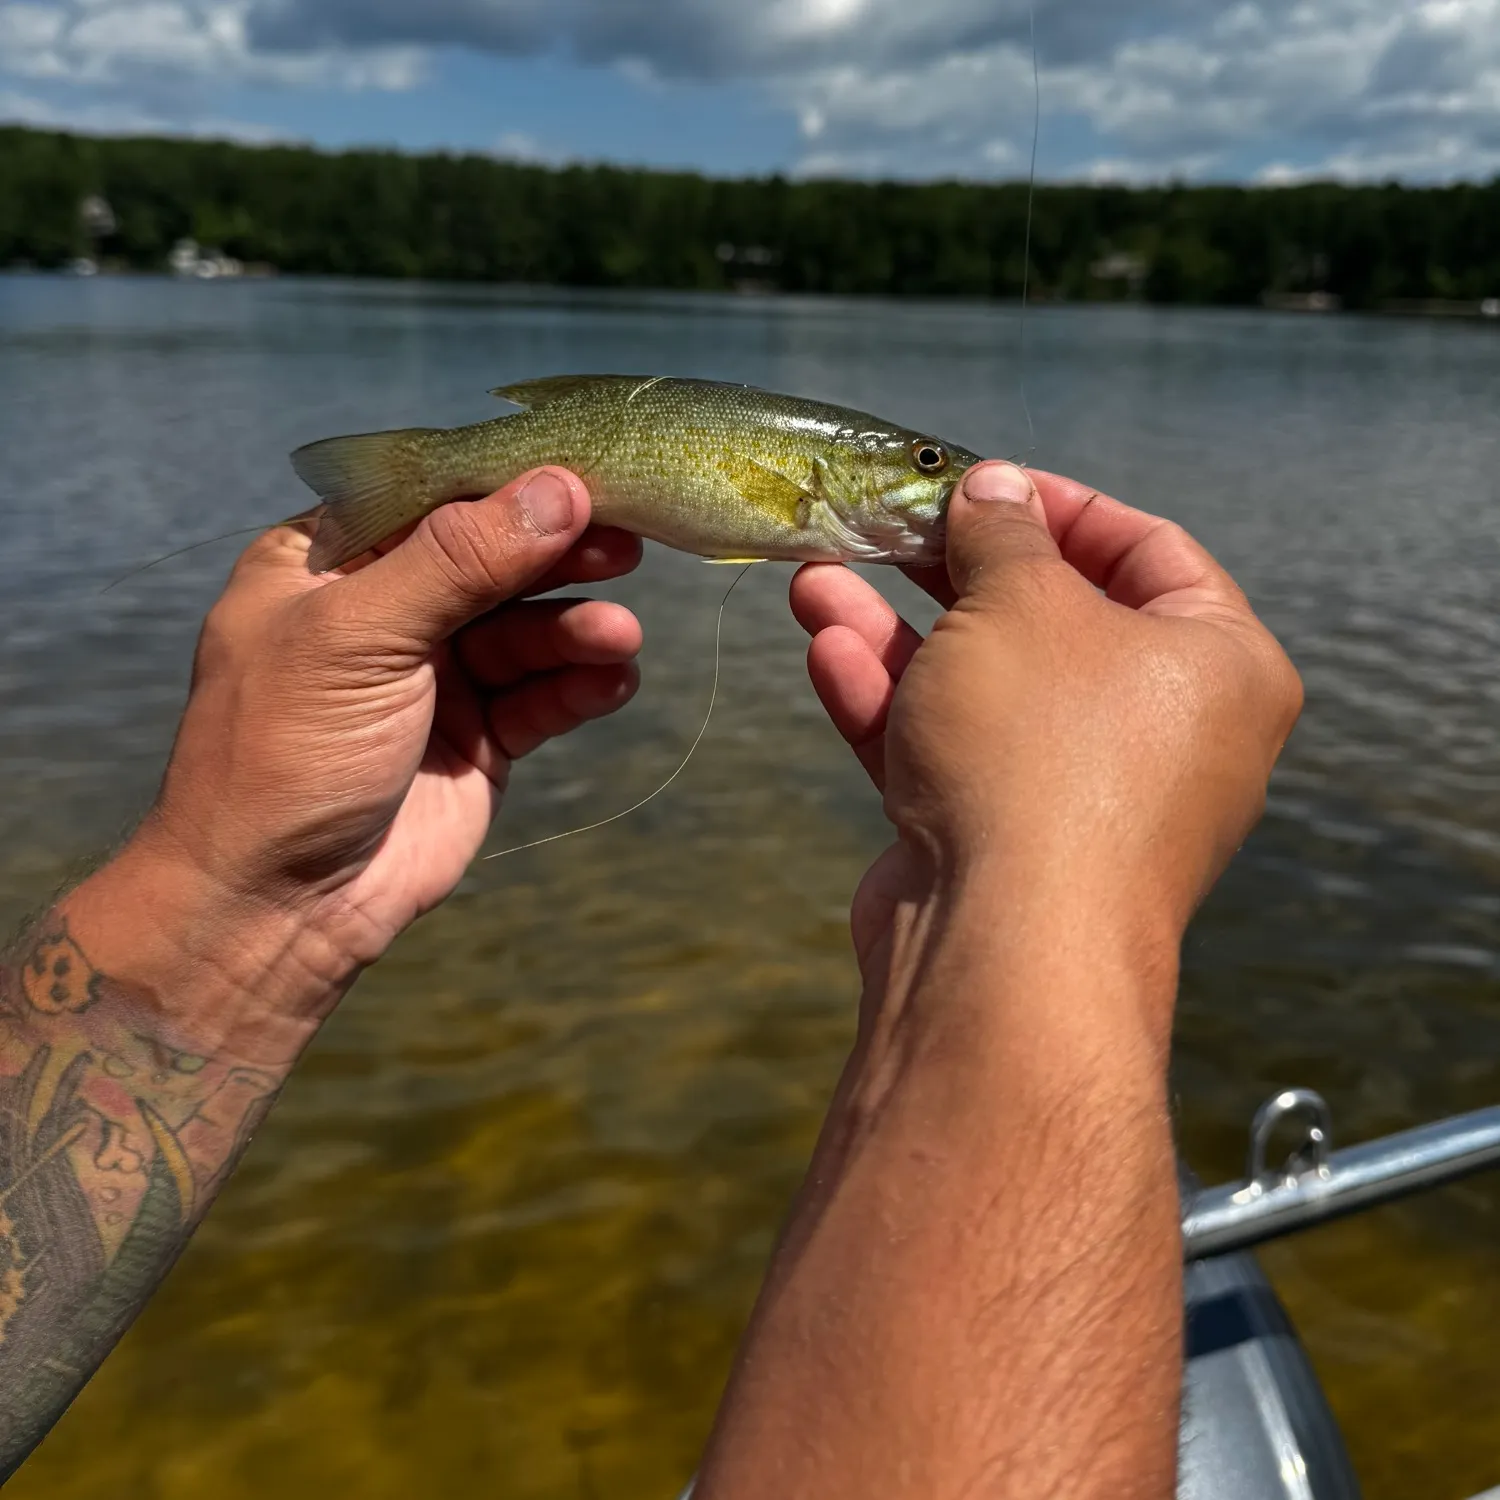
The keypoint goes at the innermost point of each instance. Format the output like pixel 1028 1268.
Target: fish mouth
pixel 891 535
pixel 917 533
pixel 924 539
pixel 903 521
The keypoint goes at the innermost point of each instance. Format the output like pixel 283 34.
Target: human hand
pixel 1106 748
pixel 344 744
pixel 348 736
pixel 1068 759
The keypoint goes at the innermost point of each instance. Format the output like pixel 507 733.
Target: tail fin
pixel 371 485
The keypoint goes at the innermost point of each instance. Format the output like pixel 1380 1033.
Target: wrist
pixel 1141 876
pixel 244 977
pixel 1038 966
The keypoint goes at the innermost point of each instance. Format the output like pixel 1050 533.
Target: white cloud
pixel 27 29
pixel 1440 159
pixel 1133 89
pixel 967 114
pixel 155 44
pixel 111 119
pixel 123 119
pixel 1131 171
pixel 519 146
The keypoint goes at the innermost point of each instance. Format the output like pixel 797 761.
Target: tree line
pixel 472 217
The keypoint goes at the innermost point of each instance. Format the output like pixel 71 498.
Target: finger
pixel 465 558
pixel 543 635
pixel 856 689
pixel 998 542
pixel 1139 560
pixel 542 708
pixel 460 721
pixel 602 552
pixel 826 594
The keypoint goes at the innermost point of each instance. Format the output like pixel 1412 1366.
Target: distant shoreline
pixel 216 209
pixel 1482 312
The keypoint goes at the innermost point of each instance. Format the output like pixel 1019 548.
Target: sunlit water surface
pixel 503 1229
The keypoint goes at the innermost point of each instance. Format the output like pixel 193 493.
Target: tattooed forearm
pixel 114 1136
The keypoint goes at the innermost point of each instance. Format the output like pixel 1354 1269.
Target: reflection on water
pixel 505 1225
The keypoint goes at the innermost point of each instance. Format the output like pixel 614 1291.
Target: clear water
pixel 505 1225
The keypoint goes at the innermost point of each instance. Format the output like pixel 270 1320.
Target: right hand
pixel 348 737
pixel 1110 746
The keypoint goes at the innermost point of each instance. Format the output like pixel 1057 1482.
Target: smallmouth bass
pixel 729 472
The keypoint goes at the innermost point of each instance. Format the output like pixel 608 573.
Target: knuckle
pixel 1266 675
pixel 216 642
pixel 269 552
pixel 473 558
pixel 1289 690
pixel 1272 687
pixel 1280 678
pixel 235 619
pixel 1175 533
pixel 253 557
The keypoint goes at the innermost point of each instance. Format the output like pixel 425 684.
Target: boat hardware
pixel 1317 1184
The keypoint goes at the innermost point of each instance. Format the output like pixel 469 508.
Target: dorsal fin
pixel 555 387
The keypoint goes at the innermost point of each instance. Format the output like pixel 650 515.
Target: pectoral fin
pixel 767 490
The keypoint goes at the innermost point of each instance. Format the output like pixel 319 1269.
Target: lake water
pixel 504 1227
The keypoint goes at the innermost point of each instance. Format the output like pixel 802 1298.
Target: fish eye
pixel 929 457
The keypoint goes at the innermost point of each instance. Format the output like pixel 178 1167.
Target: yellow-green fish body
pixel 725 471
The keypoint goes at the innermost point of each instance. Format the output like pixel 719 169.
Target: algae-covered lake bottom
pixel 504 1227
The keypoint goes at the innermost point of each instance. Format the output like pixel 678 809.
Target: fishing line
pixel 1036 138
pixel 208 541
pixel 713 698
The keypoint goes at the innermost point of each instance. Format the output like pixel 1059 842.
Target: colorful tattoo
pixel 112 1142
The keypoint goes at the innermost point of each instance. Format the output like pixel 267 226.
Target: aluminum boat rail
pixel 1318 1184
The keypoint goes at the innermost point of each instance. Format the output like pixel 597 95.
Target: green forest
pixel 471 217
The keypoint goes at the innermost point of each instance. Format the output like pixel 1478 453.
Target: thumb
pixel 466 558
pixel 996 523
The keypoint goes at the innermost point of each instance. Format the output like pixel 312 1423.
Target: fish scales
pixel 724 471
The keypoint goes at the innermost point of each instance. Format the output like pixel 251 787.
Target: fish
pixel 728 472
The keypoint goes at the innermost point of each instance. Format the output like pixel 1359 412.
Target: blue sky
pixel 1249 90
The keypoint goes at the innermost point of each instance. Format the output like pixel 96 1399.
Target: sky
pixel 1131 90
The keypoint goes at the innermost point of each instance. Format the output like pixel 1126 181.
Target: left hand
pixel 348 737
pixel 1089 728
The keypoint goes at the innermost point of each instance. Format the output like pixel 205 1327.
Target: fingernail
pixel 998 482
pixel 548 502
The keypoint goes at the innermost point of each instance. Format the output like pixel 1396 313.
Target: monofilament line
pixel 1036 137
pixel 713 697
pixel 207 541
